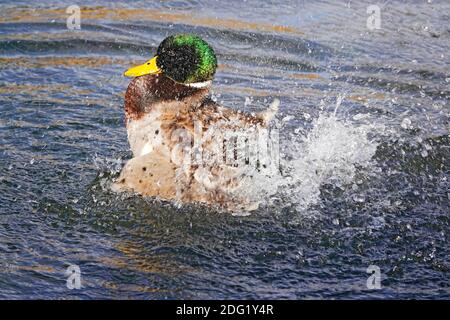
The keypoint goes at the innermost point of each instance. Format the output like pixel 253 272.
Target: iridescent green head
pixel 186 58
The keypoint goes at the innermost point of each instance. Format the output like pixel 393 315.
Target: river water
pixel 364 144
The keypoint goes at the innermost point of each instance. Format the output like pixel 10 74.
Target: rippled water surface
pixel 364 142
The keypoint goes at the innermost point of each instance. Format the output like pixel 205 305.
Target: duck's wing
pixel 270 113
pixel 214 112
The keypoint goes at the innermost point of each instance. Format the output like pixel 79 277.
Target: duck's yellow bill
pixel 149 67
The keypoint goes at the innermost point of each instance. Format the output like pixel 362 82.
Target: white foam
pixel 330 153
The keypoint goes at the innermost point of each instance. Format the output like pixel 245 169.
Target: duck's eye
pixel 148 63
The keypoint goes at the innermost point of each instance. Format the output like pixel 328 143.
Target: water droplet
pixel 287 118
pixel 359 198
pixel 406 123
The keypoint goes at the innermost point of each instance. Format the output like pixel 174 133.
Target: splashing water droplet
pixel 359 198
pixel 406 123
pixel 329 154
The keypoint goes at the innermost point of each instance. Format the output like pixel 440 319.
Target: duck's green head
pixel 185 58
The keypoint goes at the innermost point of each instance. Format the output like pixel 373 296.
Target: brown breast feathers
pixel 146 90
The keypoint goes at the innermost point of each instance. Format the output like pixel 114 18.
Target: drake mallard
pixel 166 107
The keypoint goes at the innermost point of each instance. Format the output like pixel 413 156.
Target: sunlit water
pixel 364 121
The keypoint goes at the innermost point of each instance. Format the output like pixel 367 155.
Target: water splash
pixel 331 153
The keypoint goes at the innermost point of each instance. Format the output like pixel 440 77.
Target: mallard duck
pixel 167 107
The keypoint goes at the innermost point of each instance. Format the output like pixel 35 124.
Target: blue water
pixel 368 180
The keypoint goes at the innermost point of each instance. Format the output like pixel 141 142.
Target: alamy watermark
pixel 374 280
pixel 73 274
pixel 73 22
pixel 254 146
pixel 374 19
